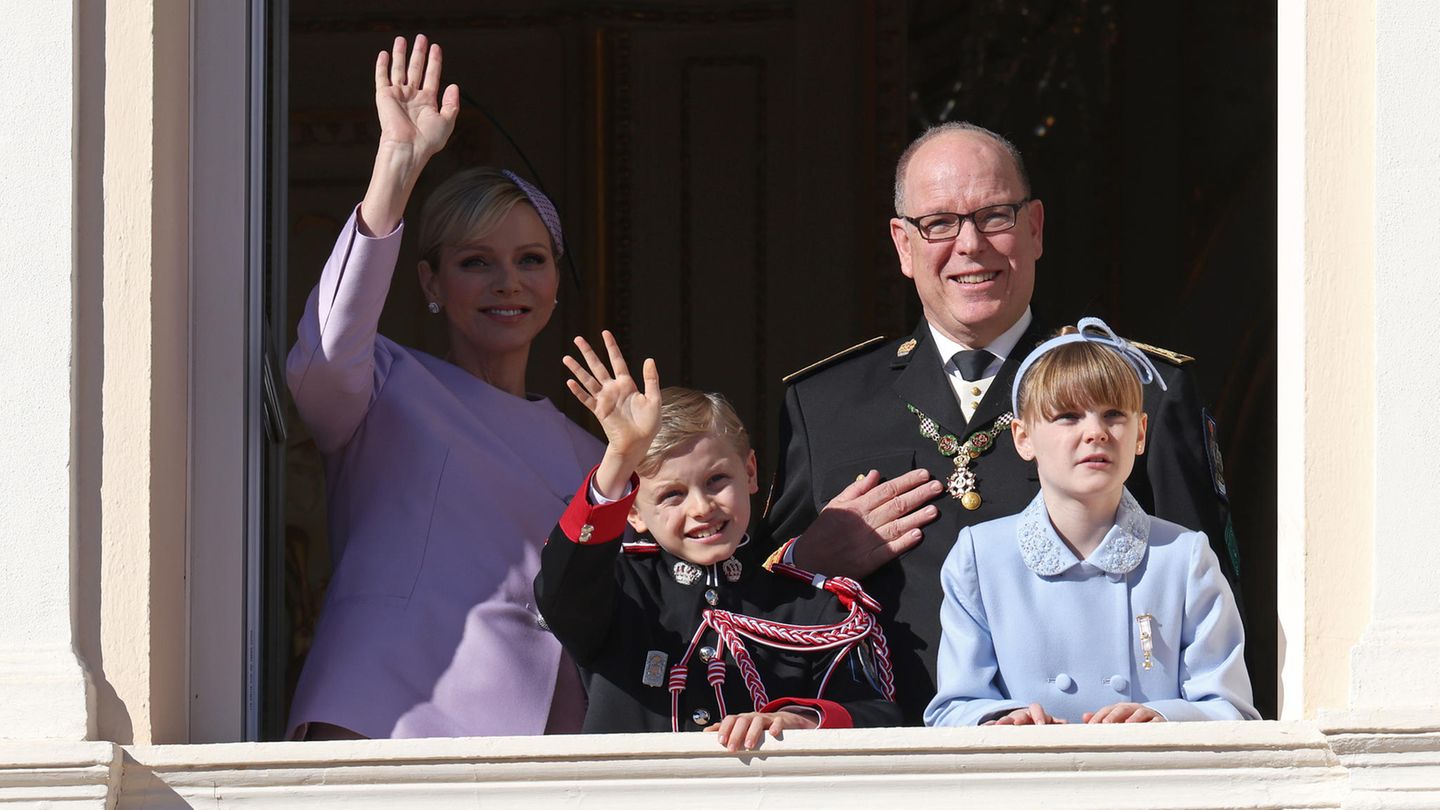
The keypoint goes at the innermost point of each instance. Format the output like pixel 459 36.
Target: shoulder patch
pixel 840 355
pixel 1174 358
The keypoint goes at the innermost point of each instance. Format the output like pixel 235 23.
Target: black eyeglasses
pixel 945 225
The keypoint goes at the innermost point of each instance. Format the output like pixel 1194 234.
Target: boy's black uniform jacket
pixel 849 416
pixel 611 609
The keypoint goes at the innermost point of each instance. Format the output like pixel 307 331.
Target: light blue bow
pixel 1092 330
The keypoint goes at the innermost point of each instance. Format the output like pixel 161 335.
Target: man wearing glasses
pixel 930 412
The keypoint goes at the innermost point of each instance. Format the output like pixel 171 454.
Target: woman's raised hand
pixel 413 114
pixel 629 416
pixel 416 120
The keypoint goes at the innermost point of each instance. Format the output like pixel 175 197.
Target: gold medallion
pixel 970 500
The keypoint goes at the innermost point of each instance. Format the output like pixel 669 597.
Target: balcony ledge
pixel 1354 760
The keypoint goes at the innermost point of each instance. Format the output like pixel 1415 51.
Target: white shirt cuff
pixel 600 500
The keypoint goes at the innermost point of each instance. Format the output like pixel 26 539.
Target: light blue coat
pixel 1025 621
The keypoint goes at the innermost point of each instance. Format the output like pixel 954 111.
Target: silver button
pixel 711 597
pixel 1119 683
pixel 707 654
pixel 701 717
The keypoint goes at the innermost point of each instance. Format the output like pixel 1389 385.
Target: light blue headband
pixel 1092 330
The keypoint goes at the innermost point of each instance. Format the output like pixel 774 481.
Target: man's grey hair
pixel 948 128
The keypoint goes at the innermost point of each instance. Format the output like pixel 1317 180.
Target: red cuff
pixel 832 714
pixel 587 523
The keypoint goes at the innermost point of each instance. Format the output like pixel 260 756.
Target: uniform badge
pixel 731 568
pixel 654 674
pixel 685 573
pixel 905 348
pixel 1212 450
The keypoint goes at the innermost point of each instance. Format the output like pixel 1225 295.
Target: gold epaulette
pixel 1174 358
pixel 795 375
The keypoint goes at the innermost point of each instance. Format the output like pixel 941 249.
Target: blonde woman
pixel 444 476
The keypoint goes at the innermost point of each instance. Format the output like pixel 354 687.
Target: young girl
pixel 1082 608
pixel 678 634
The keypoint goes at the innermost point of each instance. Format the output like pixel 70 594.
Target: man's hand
pixel 1124 713
pixel 629 416
pixel 747 729
pixel 1033 715
pixel 868 524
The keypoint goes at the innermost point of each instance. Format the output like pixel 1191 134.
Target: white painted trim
pixel 220 412
pixel 1392 757
pixel 1290 480
pixel 1157 766
pixel 60 774
pixel 1373 759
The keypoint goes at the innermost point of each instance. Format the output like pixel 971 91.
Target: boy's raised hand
pixel 629 415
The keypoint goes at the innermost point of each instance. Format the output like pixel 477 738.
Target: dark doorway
pixel 734 160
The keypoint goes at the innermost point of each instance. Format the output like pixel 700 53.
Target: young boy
pixel 1082 608
pixel 677 633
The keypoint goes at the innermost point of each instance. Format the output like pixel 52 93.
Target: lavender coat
pixel 442 490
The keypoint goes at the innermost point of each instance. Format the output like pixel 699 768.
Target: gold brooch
pixel 905 348
pixel 1147 641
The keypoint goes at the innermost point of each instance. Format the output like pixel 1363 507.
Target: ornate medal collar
pixel 961 483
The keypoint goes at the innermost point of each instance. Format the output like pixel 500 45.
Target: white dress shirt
pixel 968 393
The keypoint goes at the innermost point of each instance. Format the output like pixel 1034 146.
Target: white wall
pixel 1398 661
pixel 45 693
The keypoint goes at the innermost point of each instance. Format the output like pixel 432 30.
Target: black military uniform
pixel 627 618
pixel 848 415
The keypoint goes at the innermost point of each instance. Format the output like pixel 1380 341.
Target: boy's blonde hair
pixel 1078 376
pixel 686 414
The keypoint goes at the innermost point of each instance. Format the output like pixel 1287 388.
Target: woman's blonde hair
pixel 686 414
pixel 471 202
pixel 1078 376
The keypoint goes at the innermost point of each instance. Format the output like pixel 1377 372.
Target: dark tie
pixel 972 363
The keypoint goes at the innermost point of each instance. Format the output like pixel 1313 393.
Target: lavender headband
pixel 544 207
pixel 1092 330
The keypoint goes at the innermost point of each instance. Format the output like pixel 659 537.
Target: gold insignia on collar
pixel 905 348
pixel 797 375
pixel 1174 358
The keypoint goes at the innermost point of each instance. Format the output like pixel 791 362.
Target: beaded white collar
pixel 1122 549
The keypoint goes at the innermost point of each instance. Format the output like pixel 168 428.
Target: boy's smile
pixel 697 504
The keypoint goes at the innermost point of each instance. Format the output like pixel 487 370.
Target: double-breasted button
pixel 711 597
pixel 585 532
pixel 1064 682
pixel 1119 683
pixel 700 717
pixel 707 654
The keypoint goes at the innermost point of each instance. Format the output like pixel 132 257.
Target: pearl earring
pixel 433 307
